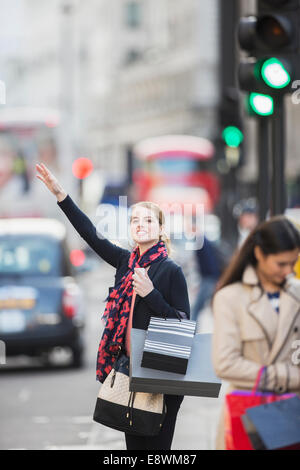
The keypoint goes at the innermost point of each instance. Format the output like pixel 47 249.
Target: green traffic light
pixel 232 136
pixel 262 105
pixel 274 74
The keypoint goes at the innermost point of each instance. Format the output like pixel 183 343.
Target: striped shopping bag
pixel 168 344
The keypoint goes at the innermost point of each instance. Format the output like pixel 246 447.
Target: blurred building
pixel 29 56
pixel 116 71
pixel 31 124
pixel 150 69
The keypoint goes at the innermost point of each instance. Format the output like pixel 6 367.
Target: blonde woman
pixel 161 289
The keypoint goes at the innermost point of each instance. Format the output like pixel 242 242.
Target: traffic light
pixel 82 167
pixel 232 136
pixel 231 128
pixel 258 104
pixel 272 41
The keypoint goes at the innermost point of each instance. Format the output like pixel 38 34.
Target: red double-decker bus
pixel 176 170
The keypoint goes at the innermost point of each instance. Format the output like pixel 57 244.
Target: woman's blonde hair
pixel 161 220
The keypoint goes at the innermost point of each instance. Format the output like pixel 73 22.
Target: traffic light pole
pixel 263 150
pixel 229 12
pixel 271 39
pixel 278 203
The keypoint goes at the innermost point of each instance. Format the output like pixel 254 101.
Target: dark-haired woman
pixel 257 313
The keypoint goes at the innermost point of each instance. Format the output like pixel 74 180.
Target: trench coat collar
pixel 249 276
pixel 260 308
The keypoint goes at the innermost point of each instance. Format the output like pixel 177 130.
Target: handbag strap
pixel 132 303
pixel 129 325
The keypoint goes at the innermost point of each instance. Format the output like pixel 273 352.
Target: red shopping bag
pixel 236 404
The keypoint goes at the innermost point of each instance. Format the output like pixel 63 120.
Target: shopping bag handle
pixel 258 378
pixel 180 315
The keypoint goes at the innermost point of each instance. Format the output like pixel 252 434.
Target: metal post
pixel 278 204
pixel 67 97
pixel 229 13
pixel 263 151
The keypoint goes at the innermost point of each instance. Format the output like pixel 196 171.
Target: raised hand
pixel 50 181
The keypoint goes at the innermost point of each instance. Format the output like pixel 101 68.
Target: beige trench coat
pixel 249 333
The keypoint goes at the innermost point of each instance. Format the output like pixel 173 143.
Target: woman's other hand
pixel 51 182
pixel 142 283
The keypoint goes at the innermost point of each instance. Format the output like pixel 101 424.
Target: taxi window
pixel 29 255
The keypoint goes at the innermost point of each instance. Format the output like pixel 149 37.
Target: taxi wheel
pixel 78 358
pixel 45 359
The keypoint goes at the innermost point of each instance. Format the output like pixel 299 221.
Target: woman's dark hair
pixel 273 236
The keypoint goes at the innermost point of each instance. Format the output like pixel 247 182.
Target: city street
pixel 52 408
pixel 169 128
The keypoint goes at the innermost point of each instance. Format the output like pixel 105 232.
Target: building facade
pixel 159 76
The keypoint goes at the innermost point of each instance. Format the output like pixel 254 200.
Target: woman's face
pixel 275 268
pixel 144 226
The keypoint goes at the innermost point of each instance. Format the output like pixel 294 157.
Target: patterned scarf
pixel 117 309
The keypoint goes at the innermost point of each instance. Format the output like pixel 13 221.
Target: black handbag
pixel 168 344
pixel 117 407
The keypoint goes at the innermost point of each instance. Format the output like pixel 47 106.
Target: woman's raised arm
pixel 108 251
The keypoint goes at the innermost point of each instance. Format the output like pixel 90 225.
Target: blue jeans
pixel 205 293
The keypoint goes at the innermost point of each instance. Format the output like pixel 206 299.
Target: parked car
pixel 41 304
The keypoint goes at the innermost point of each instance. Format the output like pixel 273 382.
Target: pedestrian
pixel 256 312
pixel 246 213
pixel 160 291
pixel 209 267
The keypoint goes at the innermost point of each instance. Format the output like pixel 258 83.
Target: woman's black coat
pixel 170 288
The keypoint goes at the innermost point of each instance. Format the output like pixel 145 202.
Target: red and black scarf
pixel 117 309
